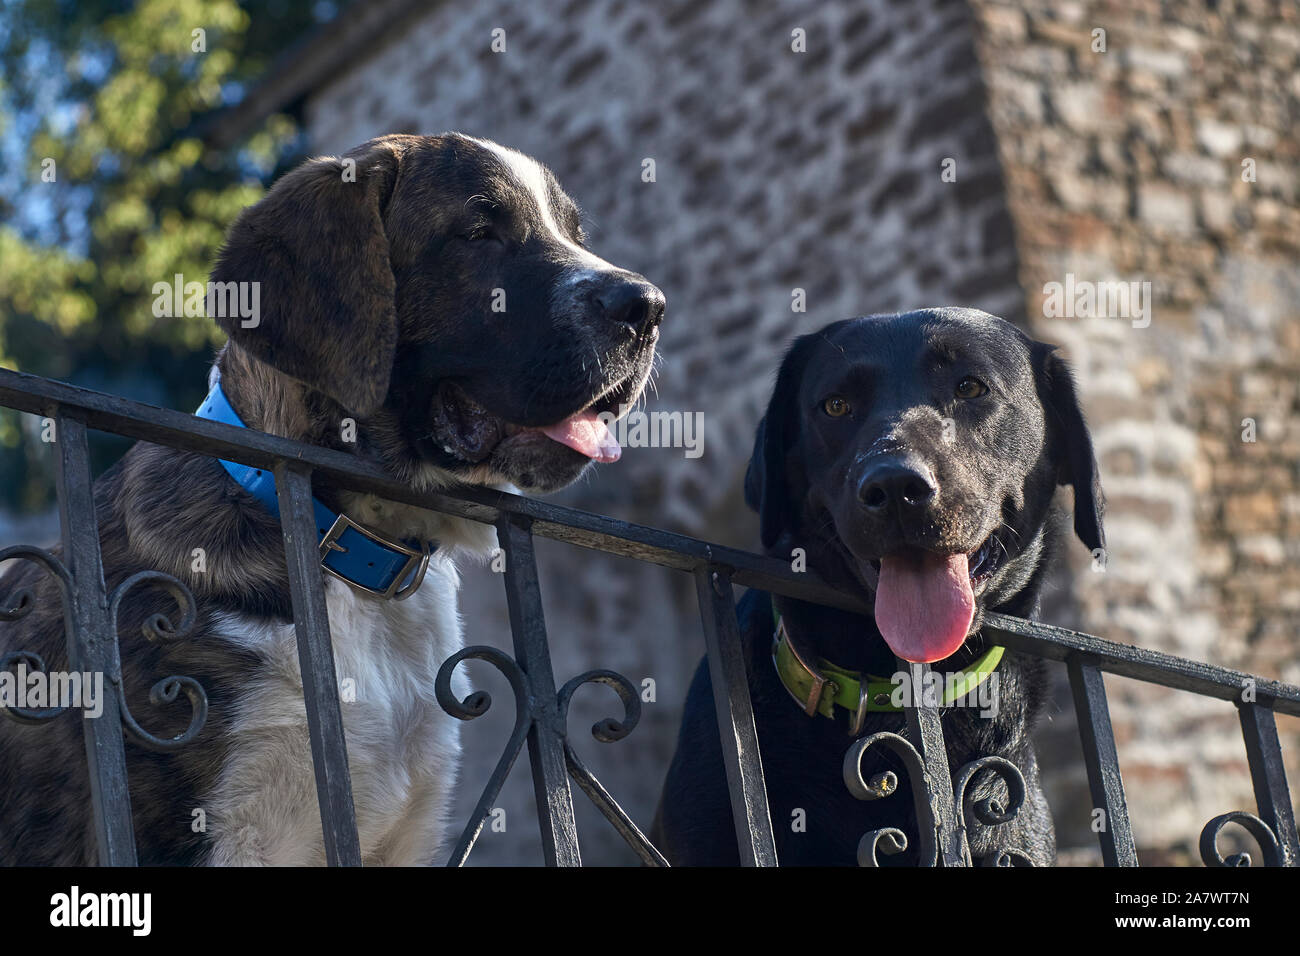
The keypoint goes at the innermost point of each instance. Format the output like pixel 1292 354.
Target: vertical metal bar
pixel 546 735
pixel 92 644
pixel 1102 760
pixel 1268 775
pixel 735 713
pixel 926 732
pixel 320 687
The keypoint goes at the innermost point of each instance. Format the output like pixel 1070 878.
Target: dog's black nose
pixel 895 484
pixel 632 302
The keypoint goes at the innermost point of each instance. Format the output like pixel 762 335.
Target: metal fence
pixel 944 808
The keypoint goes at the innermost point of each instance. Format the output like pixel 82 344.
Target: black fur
pixel 994 481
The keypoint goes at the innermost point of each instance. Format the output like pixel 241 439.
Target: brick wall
pixel 1128 164
pixel 775 170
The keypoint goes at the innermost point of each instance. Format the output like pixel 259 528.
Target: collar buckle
pixel 371 557
pixel 416 561
pixel 814 698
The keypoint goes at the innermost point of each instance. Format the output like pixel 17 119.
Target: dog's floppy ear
pixel 767 489
pixel 315 244
pixel 1076 461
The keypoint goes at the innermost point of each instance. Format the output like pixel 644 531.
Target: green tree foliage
pixel 109 188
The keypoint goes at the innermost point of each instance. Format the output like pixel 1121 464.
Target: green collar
pixel 820 689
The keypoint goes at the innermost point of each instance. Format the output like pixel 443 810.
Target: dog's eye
pixel 836 407
pixel 971 388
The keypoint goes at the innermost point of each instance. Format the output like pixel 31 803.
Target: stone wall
pixel 1134 164
pixel 821 171
pixel 775 170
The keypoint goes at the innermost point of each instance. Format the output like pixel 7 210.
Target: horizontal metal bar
pixel 1154 667
pixel 122 416
pixel 30 393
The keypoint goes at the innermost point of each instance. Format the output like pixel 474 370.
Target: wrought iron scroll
pixel 530 716
pixel 111 804
pixel 159 628
pixel 608 731
pixel 19 604
pixel 474 706
pixel 929 807
pixel 988 811
pixel 891 840
pixel 541 713
pixel 156 627
pixel 1257 828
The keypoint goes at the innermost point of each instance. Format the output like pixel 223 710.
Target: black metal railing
pixel 944 810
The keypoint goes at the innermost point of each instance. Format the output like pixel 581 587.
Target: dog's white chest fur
pixel 402 747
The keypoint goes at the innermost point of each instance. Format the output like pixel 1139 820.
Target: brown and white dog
pixel 379 272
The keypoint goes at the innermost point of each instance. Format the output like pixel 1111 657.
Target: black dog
pixel 914 459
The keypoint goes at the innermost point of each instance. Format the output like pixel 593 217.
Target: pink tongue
pixel 924 605
pixel 587 435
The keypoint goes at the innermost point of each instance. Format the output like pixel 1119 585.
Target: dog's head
pixel 916 455
pixel 437 290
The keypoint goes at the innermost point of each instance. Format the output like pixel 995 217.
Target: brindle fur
pixel 371 296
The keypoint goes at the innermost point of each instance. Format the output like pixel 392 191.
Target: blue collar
pixel 348 551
